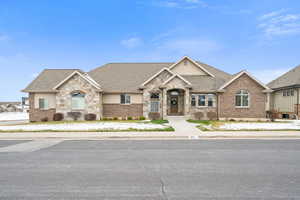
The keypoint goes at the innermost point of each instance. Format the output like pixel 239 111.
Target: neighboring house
pixel 285 98
pixel 125 90
pixel 25 104
pixel 10 107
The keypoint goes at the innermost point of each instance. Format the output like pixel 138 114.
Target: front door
pixel 174 105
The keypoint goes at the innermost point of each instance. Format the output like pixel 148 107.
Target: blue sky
pixel 262 36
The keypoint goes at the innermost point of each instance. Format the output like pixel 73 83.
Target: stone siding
pixel 122 111
pixel 92 97
pixel 154 86
pixel 257 108
pixel 37 115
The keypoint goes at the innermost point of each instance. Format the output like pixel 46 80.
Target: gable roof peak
pixel 238 75
pixel 194 62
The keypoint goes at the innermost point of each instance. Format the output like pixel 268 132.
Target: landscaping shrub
pixel 105 119
pixel 115 118
pixel 44 119
pixel 198 115
pixel 74 115
pixel 272 115
pixel 90 117
pixel 58 117
pixel 154 116
pixel 142 118
pixel 129 118
pixel 232 120
pixel 212 115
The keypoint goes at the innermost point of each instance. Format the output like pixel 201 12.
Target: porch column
pixel 164 103
pixel 187 102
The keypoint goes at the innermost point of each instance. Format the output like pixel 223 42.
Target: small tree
pixel 90 117
pixel 212 115
pixel 74 115
pixel 58 117
pixel 154 116
pixel 198 115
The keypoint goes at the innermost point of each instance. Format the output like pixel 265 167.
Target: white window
pixel 125 99
pixel 242 99
pixel 210 100
pixel 154 106
pixel 43 103
pixel 154 102
pixel 193 100
pixel 78 101
pixel 284 93
pixel 292 92
pixel 201 100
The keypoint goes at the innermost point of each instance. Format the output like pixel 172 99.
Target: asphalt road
pixel 138 170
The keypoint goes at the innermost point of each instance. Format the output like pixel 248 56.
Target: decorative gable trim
pixel 267 89
pixel 194 62
pixel 84 76
pixel 178 76
pixel 155 75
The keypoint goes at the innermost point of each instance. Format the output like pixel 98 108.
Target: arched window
pixel 242 99
pixel 78 101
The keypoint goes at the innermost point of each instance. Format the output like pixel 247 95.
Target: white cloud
pixel 279 23
pixel 267 75
pixel 132 42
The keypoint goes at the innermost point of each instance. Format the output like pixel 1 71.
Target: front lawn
pixel 205 125
pixel 91 126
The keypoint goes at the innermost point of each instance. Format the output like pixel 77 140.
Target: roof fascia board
pixel 238 76
pixel 174 76
pixel 194 62
pixel 93 83
pixel 155 75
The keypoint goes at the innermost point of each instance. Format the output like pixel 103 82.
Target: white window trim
pixel 205 102
pixel 125 99
pixel 47 107
pixel 158 106
pixel 78 108
pixel 242 100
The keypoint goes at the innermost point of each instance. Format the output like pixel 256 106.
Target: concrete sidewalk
pixel 145 135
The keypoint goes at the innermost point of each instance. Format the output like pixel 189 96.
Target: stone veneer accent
pixel 92 98
pixel 123 111
pixel 257 107
pixel 36 115
pixel 154 86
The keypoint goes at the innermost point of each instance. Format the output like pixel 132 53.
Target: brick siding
pixel 118 110
pixel 257 99
pixel 36 115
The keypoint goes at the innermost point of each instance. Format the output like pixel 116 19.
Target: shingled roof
pixel 127 77
pixel 48 79
pixel 291 78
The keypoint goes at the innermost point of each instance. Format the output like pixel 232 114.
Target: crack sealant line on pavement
pixel 29 146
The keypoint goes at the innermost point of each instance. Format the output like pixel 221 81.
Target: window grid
pixel 242 99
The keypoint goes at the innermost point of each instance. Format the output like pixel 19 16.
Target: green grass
pixel 159 121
